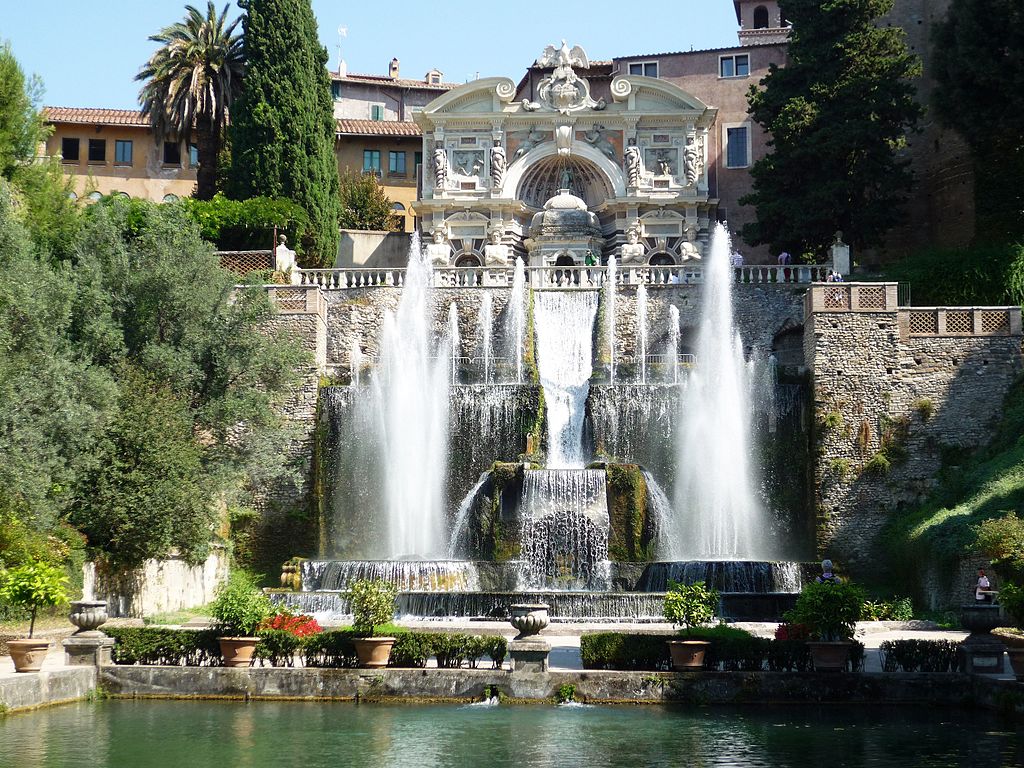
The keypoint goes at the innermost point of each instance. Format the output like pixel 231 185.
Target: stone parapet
pixel 39 689
pixel 851 297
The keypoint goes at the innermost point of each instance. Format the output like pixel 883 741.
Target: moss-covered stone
pixel 629 538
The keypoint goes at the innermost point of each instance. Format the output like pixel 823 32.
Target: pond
pixel 151 733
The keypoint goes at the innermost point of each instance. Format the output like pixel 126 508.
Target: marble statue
pixel 439 251
pixel 693 163
pixel 496 252
pixel 440 165
pixel 563 90
pixel 533 138
pixel 664 164
pixel 688 249
pixel 634 164
pixel 498 165
pixel 632 252
pixel 597 139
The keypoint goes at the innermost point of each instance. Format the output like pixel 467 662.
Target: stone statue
pixel 596 138
pixel 664 164
pixel 533 138
pixel 632 252
pixel 498 165
pixel 693 163
pixel 688 249
pixel 565 180
pixel 439 251
pixel 634 164
pixel 496 252
pixel 440 165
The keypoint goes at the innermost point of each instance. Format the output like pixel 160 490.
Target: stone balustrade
pixel 960 321
pixel 298 299
pixel 851 297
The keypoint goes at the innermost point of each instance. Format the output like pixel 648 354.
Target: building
pixel 113 151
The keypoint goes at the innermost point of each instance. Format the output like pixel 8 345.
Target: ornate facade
pixel 572 164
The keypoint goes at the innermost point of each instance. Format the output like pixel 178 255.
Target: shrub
pixel 616 650
pixel 1001 540
pixel 566 693
pixel 925 407
pixel 897 609
pixel 333 650
pixel 829 610
pixel 1011 597
pixel 32 586
pixel 373 605
pixel 496 648
pixel 690 605
pixel 788 656
pixel 240 606
pixel 919 655
pixel 411 649
pixel 878 464
pixel 241 225
pixel 167 647
pixel 278 646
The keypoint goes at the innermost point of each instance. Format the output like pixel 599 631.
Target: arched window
pixel 468 260
pixel 169 198
pixel 124 196
pixel 72 196
pixel 760 17
pixel 94 195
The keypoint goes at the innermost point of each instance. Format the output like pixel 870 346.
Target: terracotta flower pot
pixel 688 655
pixel 28 654
pixel 237 651
pixel 829 656
pixel 373 652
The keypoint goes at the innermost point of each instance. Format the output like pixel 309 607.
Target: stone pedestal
pixel 88 649
pixel 529 655
pixel 982 652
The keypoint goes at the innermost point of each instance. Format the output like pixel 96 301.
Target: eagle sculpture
pixel 563 57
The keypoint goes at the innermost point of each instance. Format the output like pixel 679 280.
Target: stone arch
pixel 468 259
pixel 761 17
pixel 610 172
pixel 662 259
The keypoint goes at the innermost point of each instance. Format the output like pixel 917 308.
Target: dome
pixel 565 200
pixel 566 217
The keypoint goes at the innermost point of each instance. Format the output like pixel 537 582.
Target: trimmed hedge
pixel 278 648
pixel 919 655
pixel 731 650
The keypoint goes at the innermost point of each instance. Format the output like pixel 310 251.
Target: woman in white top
pixel 981 592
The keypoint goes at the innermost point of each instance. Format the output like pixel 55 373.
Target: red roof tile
pixel 399 81
pixel 90 116
pixel 379 128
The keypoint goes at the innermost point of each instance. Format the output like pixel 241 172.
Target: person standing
pixel 827 576
pixel 983 591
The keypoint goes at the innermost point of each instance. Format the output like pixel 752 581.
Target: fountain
pixel 485 322
pixel 515 323
pixel 672 350
pixel 641 333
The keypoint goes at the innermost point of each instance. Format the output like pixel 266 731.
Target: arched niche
pixel 761 17
pixel 610 173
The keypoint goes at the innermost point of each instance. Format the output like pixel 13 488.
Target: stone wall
pixel 882 395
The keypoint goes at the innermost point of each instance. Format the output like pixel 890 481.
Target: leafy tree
pixel 980 72
pixel 191 82
pixel 364 204
pixel 21 125
pixel 282 126
pixel 838 114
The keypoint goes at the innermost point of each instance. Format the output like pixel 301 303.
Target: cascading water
pixel 641 333
pixel 718 516
pixel 515 321
pixel 564 322
pixel 485 321
pixel 410 395
pixel 407 575
pixel 454 341
pixel 609 303
pixel 673 343
pixel 355 364
pixel 462 516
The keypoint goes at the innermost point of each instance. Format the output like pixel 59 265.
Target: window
pixel 95 195
pixel 169 198
pixel 434 77
pixel 69 150
pixel 97 150
pixel 172 153
pixel 193 155
pixel 123 152
pixel 417 159
pixel 396 163
pixel 371 161
pixel 737 146
pixel 335 89
pixel 72 196
pixel 376 111
pixel 760 17
pixel 734 66
pixel 645 68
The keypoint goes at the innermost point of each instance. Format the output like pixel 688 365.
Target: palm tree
pixel 190 83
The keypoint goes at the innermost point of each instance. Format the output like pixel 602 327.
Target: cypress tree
pixel 838 114
pixel 282 125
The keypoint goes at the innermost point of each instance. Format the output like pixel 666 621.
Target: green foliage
pixel 165 647
pixel 239 225
pixel 878 464
pixel 840 467
pixel 690 605
pixel 1001 540
pixel 990 274
pixel 832 421
pixel 925 407
pixel 1011 597
pixel 240 606
pixel 373 605
pixel 828 610
pixel 21 125
pixel 566 692
pixel 617 650
pixel 278 647
pixel 282 124
pixel 32 586
pixel 190 84
pixel 47 211
pixel 919 655
pixel 628 499
pixel 897 609
pixel 364 203
pixel 838 113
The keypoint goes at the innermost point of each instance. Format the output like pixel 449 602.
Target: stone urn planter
pixel 373 652
pixel 829 656
pixel 982 619
pixel 688 655
pixel 88 615
pixel 237 651
pixel 528 618
pixel 28 654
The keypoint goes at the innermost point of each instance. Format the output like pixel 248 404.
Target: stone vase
pixel 373 652
pixel 528 618
pixel 237 651
pixel 88 616
pixel 28 654
pixel 829 656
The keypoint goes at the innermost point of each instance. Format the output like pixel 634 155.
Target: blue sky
pixel 88 53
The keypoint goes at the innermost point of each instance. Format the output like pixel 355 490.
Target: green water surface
pixel 144 734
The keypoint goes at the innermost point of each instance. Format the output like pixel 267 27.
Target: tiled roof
pixel 88 116
pixel 399 81
pixel 379 128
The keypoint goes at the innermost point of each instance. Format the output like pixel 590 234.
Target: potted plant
pixel 31 586
pixel 689 606
pixel 239 609
pixel 830 612
pixel 1011 598
pixel 373 608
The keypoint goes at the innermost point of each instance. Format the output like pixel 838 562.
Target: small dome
pixel 565 201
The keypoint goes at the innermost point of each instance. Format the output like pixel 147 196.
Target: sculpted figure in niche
pixel 688 250
pixel 439 251
pixel 632 251
pixel 533 138
pixel 440 165
pixel 496 252
pixel 596 138
pixel 634 164
pixel 692 161
pixel 498 165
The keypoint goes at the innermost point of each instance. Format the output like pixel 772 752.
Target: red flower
pixel 298 625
